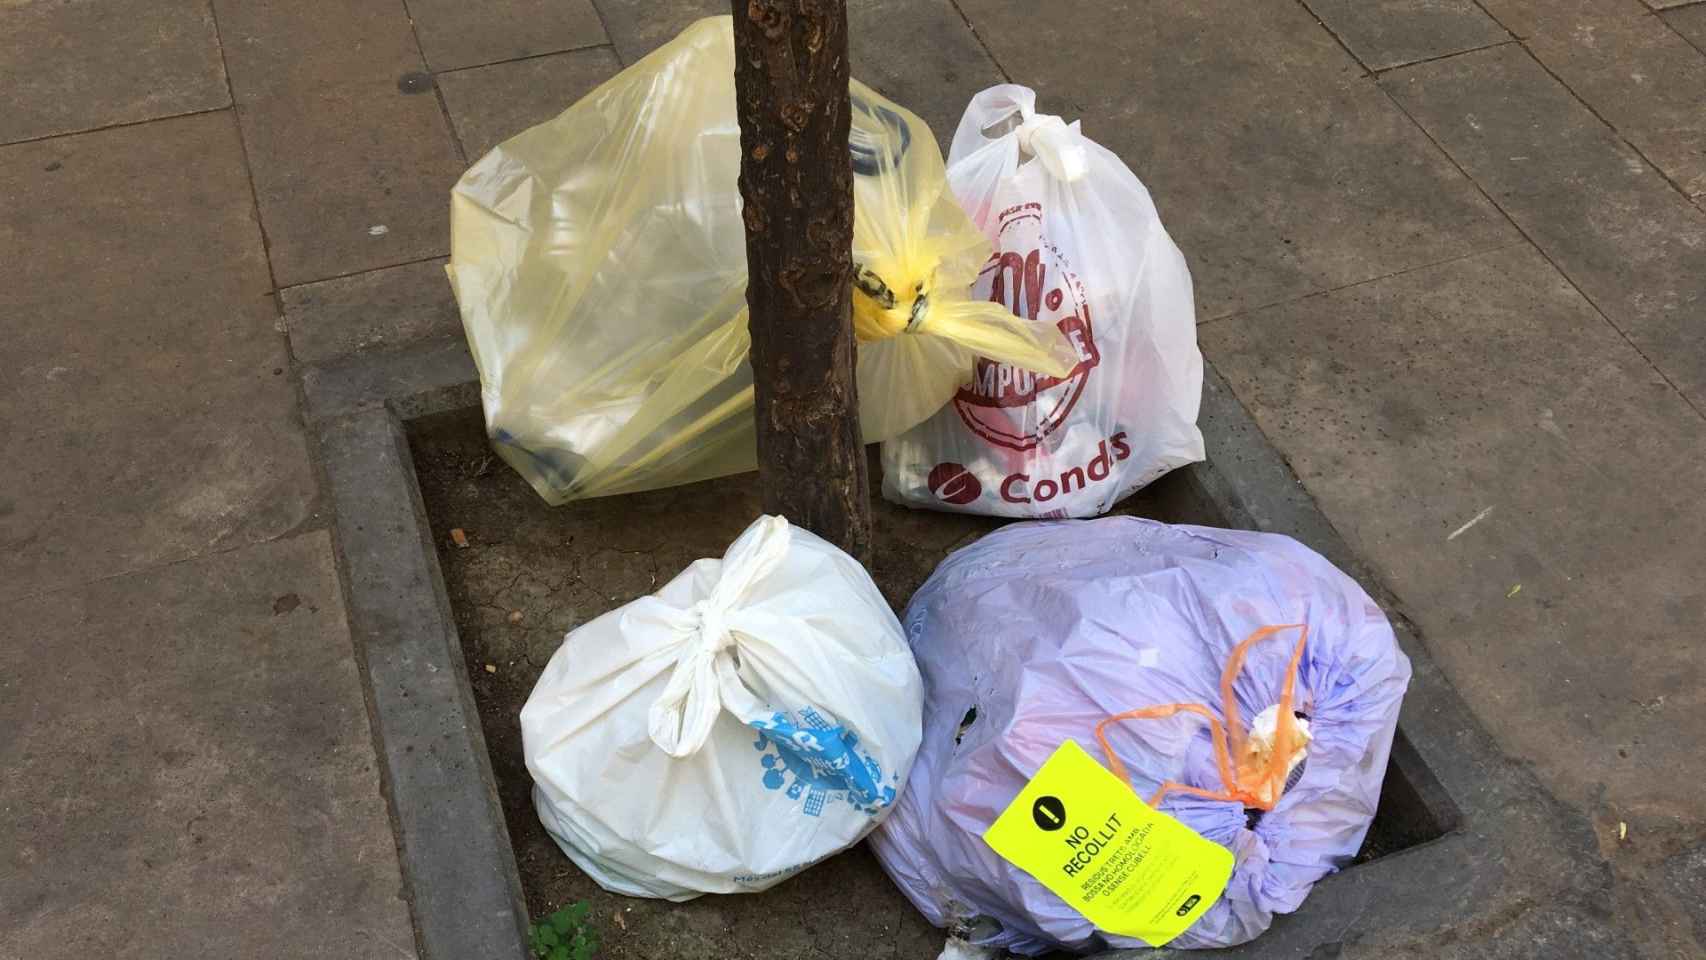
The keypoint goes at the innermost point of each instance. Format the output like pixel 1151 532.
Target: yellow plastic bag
pixel 599 261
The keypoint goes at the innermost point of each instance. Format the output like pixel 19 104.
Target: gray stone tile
pixel 457 34
pixel 922 55
pixel 275 47
pixel 146 412
pixel 350 176
pixel 189 768
pixel 377 310
pixel 637 27
pixel 1668 4
pixel 1690 22
pixel 78 66
pixel 919 53
pixel 1487 387
pixel 488 105
pixel 351 156
pixel 1633 70
pixel 1277 166
pixel 1386 33
pixel 1616 228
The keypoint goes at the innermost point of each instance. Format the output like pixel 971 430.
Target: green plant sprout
pixel 565 935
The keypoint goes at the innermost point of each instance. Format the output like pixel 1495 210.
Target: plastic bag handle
pixel 1050 139
pixel 1259 789
pixel 991 108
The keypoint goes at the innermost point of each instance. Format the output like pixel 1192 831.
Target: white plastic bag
pixel 757 714
pixel 1077 243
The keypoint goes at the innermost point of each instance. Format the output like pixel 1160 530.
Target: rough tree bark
pixel 796 183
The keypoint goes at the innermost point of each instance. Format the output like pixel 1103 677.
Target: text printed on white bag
pixel 1017 488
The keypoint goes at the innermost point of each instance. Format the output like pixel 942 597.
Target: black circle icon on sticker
pixel 1185 907
pixel 1049 813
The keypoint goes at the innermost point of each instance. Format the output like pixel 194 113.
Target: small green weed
pixel 565 935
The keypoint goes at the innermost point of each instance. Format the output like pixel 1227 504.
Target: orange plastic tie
pixel 1255 788
pixel 1216 731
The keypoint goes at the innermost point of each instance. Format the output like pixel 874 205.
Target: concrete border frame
pixel 464 888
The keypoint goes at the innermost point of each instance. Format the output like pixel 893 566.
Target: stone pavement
pixel 1451 253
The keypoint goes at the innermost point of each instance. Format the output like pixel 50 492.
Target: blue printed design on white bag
pixel 822 762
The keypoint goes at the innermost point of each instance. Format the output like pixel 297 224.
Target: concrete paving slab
pixel 1690 22
pixel 1636 73
pixel 1564 929
pixel 1668 4
pixel 921 53
pixel 1633 245
pixel 1527 483
pixel 488 105
pixel 146 411
pixel 378 310
pixel 351 176
pixel 351 156
pixel 457 34
pixel 67 67
pixel 1276 164
pixel 275 48
pixel 198 779
pixel 637 27
pixel 1388 33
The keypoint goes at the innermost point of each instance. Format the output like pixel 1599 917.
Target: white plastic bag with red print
pixel 1077 242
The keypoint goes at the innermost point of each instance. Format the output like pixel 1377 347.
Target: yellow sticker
pixel 1127 867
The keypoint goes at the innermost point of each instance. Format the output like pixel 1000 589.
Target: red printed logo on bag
pixel 953 483
pixel 1010 406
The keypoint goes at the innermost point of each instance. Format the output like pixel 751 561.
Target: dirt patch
pixel 530 573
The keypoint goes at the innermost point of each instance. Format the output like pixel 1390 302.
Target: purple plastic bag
pixel 1046 629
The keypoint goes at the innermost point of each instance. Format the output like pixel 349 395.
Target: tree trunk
pixel 796 184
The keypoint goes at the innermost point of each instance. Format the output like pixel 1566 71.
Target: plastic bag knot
pixel 1255 775
pixel 714 633
pixel 1051 140
pixel 880 313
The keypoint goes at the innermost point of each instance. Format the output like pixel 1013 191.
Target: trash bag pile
pixel 1090 733
pixel 599 262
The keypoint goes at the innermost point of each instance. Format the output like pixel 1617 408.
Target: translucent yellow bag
pixel 599 261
